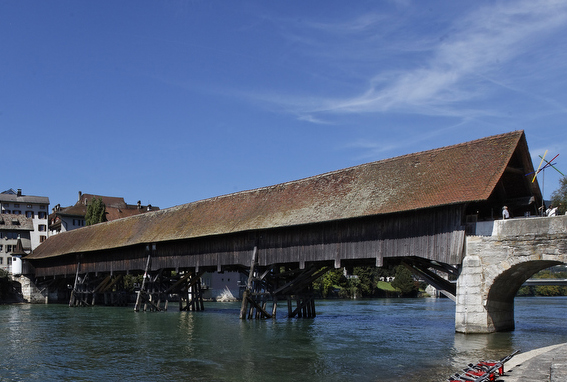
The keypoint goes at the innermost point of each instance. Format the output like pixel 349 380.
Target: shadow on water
pixel 363 340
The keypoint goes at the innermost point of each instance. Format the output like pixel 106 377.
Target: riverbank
pixel 548 364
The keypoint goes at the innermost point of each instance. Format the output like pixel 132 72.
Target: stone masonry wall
pixel 495 267
pixel 30 292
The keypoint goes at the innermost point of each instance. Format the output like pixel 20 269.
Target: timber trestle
pixel 276 283
pixel 156 290
pixel 157 287
pixel 90 289
pixel 288 283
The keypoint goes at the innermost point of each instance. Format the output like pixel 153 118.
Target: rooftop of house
pixel 11 196
pixel 116 207
pixel 12 222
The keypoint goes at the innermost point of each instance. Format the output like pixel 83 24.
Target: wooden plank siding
pixel 436 234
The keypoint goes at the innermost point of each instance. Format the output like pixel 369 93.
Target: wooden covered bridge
pixel 414 209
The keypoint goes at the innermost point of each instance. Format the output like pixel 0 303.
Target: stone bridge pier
pixel 496 266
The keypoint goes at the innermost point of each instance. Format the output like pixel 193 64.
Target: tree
pixel 404 282
pixel 331 283
pixel 559 196
pixel 368 280
pixel 557 272
pixel 96 212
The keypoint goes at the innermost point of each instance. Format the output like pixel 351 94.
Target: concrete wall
pixel 496 266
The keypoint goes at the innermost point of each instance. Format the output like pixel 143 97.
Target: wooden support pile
pixel 80 293
pixel 189 290
pixel 112 290
pixel 299 288
pixel 149 296
pixel 156 287
pixel 88 290
pixel 276 283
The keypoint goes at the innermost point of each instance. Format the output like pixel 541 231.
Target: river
pixel 354 340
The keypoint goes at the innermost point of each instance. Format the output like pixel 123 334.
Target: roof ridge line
pixel 325 174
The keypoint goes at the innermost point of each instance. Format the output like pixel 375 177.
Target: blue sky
pixel 169 102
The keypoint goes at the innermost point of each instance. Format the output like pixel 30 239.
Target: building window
pixel 8 248
pixel 78 222
pixel 6 211
pixel 41 215
pixel 16 205
pixel 17 212
pixel 41 227
pixel 42 207
pixel 42 238
pixel 29 206
pixel 9 261
pixel 1 260
pixel 29 214
pixel 1 248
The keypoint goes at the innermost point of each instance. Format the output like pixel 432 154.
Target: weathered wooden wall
pixel 435 234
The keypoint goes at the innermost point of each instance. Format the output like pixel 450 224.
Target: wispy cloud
pixel 485 40
pixel 372 149
pixel 452 71
pixel 312 119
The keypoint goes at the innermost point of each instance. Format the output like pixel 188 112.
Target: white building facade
pixel 26 218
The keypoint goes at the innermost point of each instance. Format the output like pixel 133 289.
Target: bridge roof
pixel 457 174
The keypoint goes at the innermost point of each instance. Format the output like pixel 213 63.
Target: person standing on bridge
pixel 505 213
pixel 551 211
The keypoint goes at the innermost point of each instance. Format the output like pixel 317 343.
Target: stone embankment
pixel 547 364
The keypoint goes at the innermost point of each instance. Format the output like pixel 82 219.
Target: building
pixel 23 219
pixel 15 236
pixel 69 218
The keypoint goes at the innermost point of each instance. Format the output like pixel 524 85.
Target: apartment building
pixel 23 224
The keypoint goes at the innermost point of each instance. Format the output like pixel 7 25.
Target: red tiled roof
pixel 461 173
pixel 116 208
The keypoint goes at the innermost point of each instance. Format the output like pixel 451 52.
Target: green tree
pixel 96 212
pixel 130 281
pixel 559 196
pixel 368 280
pixel 404 281
pixel 557 272
pixel 331 283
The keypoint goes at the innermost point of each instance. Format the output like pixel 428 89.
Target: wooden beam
pixel 246 295
pixel 73 292
pixel 137 305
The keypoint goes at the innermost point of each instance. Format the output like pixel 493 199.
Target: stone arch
pixel 494 268
pixel 499 303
